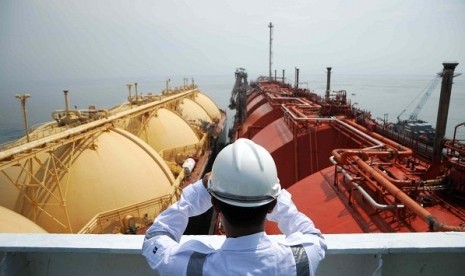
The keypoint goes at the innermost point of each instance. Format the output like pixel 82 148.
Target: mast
pixel 296 86
pixel 22 99
pixel 328 83
pixel 271 53
pixel 443 109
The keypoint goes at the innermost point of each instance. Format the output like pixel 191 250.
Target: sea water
pixel 385 96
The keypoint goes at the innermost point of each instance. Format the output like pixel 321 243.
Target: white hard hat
pixel 244 174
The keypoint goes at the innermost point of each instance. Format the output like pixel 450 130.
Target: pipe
pixel 407 183
pixel 365 153
pixel 455 133
pixel 271 43
pixel 403 151
pixel 297 78
pixel 373 202
pixel 443 109
pixel 23 99
pixel 377 143
pixel 398 150
pixel 66 101
pixel 129 85
pixel 343 154
pixel 335 152
pixel 364 193
pixel 328 82
pixel 167 86
pixel 433 223
pixel 301 101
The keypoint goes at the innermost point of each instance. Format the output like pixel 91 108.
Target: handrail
pixel 82 128
pixel 166 153
pixel 120 213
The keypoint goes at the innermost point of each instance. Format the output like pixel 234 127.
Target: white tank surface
pixel 193 112
pixel 209 105
pixel 167 130
pixel 111 170
pixel 15 223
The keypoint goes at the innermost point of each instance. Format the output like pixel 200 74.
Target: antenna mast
pixel 271 40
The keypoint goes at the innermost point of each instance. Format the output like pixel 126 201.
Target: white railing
pixel 440 253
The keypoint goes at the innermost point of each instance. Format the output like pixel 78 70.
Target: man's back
pixel 256 254
pixel 245 191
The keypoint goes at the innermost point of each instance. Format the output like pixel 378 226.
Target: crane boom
pixel 428 91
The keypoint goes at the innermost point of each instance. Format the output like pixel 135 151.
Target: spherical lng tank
pixel 105 171
pixel 208 105
pixel 13 222
pixel 193 112
pixel 166 130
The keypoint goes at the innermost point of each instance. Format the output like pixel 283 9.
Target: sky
pixel 60 40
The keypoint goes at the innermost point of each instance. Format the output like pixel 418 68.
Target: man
pixel 244 189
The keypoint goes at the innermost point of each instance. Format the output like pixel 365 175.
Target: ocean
pixel 383 95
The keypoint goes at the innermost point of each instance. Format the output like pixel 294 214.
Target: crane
pixel 426 94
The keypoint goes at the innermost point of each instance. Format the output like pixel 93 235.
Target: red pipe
pixel 433 223
pixel 402 151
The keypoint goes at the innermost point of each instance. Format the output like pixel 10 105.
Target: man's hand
pixel 205 179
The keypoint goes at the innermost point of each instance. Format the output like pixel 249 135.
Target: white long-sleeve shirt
pixel 256 254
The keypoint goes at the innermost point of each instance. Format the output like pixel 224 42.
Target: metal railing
pixel 128 219
pixel 347 254
pixel 193 150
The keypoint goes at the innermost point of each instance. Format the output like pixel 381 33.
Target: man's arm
pixel 162 238
pixel 299 231
pixel 195 200
pixel 289 219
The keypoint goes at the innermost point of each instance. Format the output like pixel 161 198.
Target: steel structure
pixel 36 167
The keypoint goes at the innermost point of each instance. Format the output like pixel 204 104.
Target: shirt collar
pixel 254 241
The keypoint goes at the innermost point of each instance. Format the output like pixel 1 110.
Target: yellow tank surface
pixel 167 130
pixel 209 105
pixel 15 223
pixel 193 112
pixel 109 170
pixel 8 192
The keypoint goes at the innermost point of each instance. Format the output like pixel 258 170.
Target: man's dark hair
pixel 243 216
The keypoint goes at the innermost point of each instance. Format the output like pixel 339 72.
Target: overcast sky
pixel 56 39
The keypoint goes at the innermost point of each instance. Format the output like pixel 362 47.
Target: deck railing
pixel 128 219
pixel 348 254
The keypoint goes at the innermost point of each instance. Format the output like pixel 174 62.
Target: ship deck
pixel 319 197
pixel 342 173
pixel 334 211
